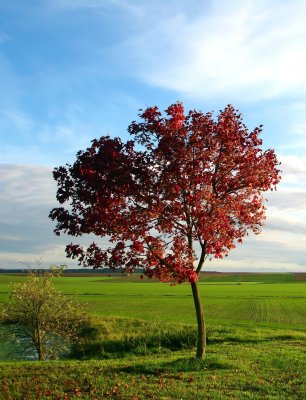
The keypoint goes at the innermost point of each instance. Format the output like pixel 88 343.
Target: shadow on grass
pixel 188 364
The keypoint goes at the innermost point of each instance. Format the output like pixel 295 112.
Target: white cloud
pixel 26 184
pixel 293 170
pixel 244 49
pixel 288 200
pixel 27 196
pixel 287 223
pixel 272 250
pixel 255 265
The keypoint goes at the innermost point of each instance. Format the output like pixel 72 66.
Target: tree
pixel 40 319
pixel 185 189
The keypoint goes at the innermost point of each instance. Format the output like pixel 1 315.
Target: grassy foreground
pixel 265 370
pixel 146 336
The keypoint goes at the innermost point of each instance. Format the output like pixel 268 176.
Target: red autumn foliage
pixel 187 187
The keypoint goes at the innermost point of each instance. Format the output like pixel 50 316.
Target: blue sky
pixel 73 70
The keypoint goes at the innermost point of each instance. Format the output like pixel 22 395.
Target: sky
pixel 74 70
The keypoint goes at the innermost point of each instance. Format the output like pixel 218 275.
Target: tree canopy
pixel 191 180
pixel 184 189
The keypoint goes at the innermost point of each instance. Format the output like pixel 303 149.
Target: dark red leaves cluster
pixel 191 190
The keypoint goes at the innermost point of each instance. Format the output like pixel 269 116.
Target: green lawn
pixel 256 342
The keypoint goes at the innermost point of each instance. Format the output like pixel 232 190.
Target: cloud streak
pixel 251 49
pixel 27 194
pixel 26 232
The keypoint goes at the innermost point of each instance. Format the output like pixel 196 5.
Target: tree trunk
pixel 39 347
pixel 201 341
pixel 40 355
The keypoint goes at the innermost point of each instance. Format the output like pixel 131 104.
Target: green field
pixel 228 300
pixel 256 341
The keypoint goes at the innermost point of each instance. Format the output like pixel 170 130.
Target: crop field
pixel 256 325
pixel 244 299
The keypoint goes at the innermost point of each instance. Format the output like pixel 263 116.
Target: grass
pixel 230 371
pixel 258 278
pixel 145 336
pixel 267 304
pixel 278 305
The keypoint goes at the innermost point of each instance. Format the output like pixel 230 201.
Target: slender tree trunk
pixel 39 347
pixel 40 355
pixel 201 341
